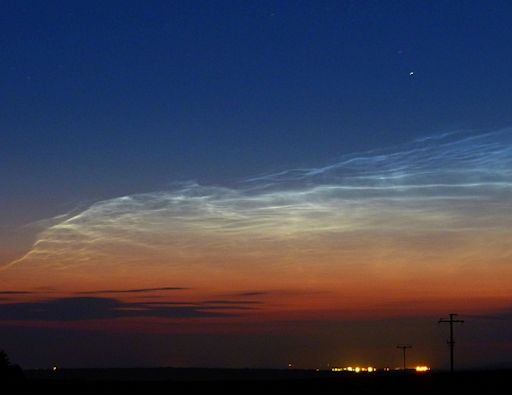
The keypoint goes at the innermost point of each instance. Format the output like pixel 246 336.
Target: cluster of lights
pixel 357 369
pixel 371 369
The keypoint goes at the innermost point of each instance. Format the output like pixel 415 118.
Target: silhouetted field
pixel 255 381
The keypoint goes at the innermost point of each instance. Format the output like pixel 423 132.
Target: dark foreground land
pixel 254 381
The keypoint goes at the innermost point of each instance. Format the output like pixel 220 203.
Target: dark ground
pixel 253 381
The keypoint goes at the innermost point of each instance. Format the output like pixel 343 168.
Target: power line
pixel 451 342
pixel 487 317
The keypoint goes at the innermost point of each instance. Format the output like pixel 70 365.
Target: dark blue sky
pixel 101 99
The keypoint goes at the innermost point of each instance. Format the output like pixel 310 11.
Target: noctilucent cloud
pixel 240 184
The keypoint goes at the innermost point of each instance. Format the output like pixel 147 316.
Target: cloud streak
pixel 16 292
pixel 91 308
pixel 131 291
pixel 384 210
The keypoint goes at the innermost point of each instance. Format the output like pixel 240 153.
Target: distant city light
pixel 373 369
pixel 357 369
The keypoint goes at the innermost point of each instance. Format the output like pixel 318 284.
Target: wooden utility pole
pixel 451 342
pixel 404 347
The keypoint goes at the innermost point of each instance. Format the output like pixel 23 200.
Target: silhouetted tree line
pixel 7 370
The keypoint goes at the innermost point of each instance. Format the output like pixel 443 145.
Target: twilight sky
pixel 246 183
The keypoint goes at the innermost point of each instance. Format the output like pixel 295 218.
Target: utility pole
pixel 404 347
pixel 451 342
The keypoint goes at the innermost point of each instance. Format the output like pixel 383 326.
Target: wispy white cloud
pixel 458 183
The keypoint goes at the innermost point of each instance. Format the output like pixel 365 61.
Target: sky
pixel 255 183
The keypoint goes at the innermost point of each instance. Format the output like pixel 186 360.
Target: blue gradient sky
pixel 201 131
pixel 213 91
